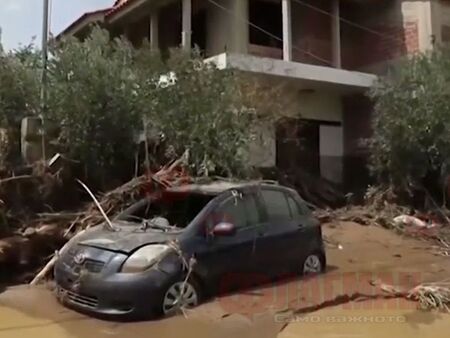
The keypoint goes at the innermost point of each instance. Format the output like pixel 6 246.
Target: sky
pixel 21 20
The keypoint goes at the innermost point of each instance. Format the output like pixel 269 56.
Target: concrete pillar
pixel 238 29
pixel 287 30
pixel 186 33
pixel 154 31
pixel 422 12
pixel 336 35
pixel 436 20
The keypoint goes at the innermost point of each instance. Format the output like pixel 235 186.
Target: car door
pixel 280 244
pixel 226 260
pixel 309 233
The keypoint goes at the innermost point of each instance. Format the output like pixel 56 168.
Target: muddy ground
pixel 340 303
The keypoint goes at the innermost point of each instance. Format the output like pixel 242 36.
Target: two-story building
pixel 325 52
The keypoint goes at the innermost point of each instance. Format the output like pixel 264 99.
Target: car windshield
pixel 171 209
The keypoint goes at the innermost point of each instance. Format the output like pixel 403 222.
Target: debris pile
pixel 46 234
pixel 380 209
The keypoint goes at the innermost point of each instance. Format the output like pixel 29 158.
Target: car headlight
pixel 144 258
pixel 70 243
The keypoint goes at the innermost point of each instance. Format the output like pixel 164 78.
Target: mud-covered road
pixel 340 303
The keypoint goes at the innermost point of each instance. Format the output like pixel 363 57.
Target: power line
pixel 349 22
pixel 268 33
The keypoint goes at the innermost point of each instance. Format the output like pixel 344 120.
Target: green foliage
pixel 19 96
pixel 92 97
pixel 411 129
pixel 202 111
pixel 103 93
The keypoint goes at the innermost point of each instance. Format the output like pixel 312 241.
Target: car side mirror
pixel 224 229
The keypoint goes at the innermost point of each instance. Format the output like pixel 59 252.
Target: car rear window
pixel 276 204
pixel 298 209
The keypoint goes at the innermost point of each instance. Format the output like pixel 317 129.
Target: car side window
pixel 242 212
pixel 276 204
pixel 294 207
pixel 252 210
pixel 232 211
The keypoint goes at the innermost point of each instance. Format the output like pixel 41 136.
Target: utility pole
pixel 44 72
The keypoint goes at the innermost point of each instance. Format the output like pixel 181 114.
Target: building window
pixel 267 15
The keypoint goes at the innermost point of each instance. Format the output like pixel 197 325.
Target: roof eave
pixel 83 21
pixel 118 12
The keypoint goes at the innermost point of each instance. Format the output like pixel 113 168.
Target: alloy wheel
pixel 312 265
pixel 180 295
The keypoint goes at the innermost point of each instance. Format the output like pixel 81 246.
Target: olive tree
pixel 411 144
pixel 19 96
pixel 92 98
pixel 104 92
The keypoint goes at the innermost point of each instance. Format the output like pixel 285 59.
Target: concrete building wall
pixel 319 105
pixel 322 106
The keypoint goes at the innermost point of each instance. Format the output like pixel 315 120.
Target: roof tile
pixel 118 5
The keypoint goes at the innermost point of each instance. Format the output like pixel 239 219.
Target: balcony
pixel 265 51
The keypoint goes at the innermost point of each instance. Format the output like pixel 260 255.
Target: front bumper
pixel 112 294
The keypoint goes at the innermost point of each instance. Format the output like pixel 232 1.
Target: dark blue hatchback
pixel 170 251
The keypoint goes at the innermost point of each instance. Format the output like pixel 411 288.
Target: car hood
pixel 126 238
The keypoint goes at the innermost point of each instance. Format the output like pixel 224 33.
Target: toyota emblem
pixel 79 258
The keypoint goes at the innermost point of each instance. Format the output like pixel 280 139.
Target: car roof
pixel 218 187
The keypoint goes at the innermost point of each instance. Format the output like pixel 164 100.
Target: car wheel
pixel 180 295
pixel 313 264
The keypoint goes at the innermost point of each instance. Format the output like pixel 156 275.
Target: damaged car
pixel 169 251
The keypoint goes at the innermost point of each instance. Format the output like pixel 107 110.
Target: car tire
pixel 192 296
pixel 313 264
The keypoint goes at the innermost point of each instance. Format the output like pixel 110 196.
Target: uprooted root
pixel 430 296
